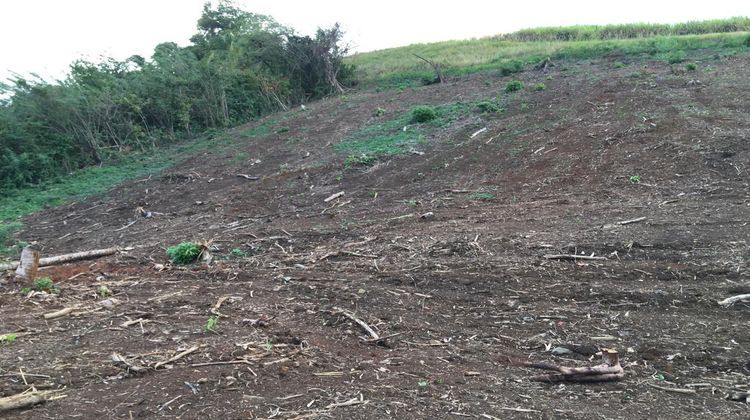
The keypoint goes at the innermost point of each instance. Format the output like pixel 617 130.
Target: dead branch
pixel 176 357
pixel 734 299
pixel 435 66
pixel 60 259
pixel 24 400
pixel 361 323
pixel 59 314
pixel 610 370
pixel 334 196
pixel 249 177
pixel 627 222
pixel 572 257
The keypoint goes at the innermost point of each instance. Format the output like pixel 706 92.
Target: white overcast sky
pixel 45 36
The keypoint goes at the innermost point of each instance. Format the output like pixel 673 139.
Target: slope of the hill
pixel 440 248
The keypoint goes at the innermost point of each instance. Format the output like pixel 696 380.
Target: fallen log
pixel 60 259
pixel 610 370
pixel 24 400
pixel 734 299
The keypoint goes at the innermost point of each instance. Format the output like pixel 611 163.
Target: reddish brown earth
pixel 464 295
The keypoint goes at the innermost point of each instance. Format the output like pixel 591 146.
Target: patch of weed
pixel 45 284
pixel 540 87
pixel 635 179
pixel 379 112
pixel 690 67
pixel 513 86
pixel 8 338
pixel 488 106
pixel 237 253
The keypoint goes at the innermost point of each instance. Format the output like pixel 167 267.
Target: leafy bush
pixel 184 253
pixel 488 106
pixel 513 86
pixel 635 179
pixel 423 113
pixel 540 87
pixel 690 67
pixel 379 112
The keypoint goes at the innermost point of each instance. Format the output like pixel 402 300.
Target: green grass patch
pixel 482 196
pixel 396 67
pixel 513 86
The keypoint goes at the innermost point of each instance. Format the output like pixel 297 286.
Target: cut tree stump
pixel 23 400
pixel 28 266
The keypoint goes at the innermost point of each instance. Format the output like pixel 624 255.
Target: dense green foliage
pixel 184 253
pixel 632 30
pixel 238 67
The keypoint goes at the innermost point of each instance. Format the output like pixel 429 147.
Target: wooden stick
pixel 59 259
pixel 675 390
pixel 361 323
pixel 59 314
pixel 610 370
pixel 636 220
pixel 176 357
pixel 334 196
pixel 24 400
pixel 734 299
pixel 572 257
pixel 250 177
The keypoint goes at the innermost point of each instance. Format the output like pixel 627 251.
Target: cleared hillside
pixel 438 243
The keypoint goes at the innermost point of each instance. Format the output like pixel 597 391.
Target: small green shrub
pixel 690 67
pixel 8 338
pixel 619 64
pixel 488 106
pixel 184 253
pixel 282 130
pixel 524 107
pixel 513 86
pixel 540 87
pixel 635 179
pixel 104 291
pixel 44 284
pixel 212 323
pixel 423 113
pixel 510 67
pixel 379 112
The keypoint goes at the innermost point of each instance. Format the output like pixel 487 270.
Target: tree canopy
pixel 237 67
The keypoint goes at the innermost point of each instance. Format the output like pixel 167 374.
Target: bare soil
pixel 463 294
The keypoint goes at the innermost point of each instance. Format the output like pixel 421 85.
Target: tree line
pixel 237 67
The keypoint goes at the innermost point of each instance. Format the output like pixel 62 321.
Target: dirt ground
pixel 462 294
